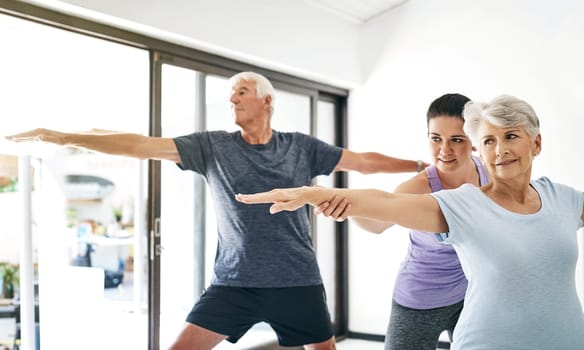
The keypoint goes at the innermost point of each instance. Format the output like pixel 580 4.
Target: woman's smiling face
pixel 451 149
pixel 507 152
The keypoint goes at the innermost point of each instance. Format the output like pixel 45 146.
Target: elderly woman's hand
pixel 284 199
pixel 337 208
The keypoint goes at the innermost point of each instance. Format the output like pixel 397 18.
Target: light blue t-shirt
pixel 521 269
pixel 255 248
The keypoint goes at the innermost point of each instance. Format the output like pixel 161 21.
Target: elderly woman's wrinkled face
pixel 507 152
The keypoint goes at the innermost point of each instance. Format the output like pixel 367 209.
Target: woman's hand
pixel 284 199
pixel 337 208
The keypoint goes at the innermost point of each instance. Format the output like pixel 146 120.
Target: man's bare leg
pixel 325 345
pixel 193 337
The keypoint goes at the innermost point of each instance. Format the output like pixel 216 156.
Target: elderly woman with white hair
pixel 515 237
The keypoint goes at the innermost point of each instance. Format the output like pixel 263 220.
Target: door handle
pixel 155 233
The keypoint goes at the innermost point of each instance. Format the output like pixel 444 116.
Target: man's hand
pixel 44 135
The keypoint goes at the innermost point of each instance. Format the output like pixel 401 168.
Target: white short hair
pixel 504 111
pixel 263 85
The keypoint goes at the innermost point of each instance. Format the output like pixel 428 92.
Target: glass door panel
pixel 178 272
pixel 218 117
pixel 325 227
pixel 83 203
pixel 291 112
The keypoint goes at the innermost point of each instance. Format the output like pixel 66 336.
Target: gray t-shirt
pixel 255 248
pixel 520 268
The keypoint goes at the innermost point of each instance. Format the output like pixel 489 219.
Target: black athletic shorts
pixel 298 315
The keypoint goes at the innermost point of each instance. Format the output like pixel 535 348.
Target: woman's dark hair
pixel 450 105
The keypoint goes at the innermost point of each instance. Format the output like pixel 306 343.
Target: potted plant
pixel 10 274
pixel 118 214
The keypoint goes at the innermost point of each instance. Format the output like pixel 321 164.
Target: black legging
pixel 413 329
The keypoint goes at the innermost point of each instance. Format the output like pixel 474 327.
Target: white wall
pixel 278 34
pixel 425 48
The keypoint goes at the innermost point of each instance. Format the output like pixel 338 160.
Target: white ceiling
pixel 356 11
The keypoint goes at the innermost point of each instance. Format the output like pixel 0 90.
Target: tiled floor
pixel 255 343
pixel 357 344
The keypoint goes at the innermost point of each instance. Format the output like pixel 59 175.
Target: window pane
pixel 291 112
pixel 218 118
pixel 66 81
pixel 219 115
pixel 325 227
pixel 177 266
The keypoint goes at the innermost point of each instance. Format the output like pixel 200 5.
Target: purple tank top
pixel 431 275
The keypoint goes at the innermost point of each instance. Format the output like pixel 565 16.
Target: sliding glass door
pixel 180 251
pixel 185 232
pixel 87 208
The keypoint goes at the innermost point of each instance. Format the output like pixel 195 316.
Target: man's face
pixel 246 106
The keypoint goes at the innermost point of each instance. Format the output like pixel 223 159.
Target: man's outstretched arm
pixel 109 142
pixel 373 162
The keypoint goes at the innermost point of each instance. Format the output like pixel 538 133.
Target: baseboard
pixel 366 336
pixel 381 338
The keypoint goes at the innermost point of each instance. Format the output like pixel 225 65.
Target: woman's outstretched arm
pixel 415 211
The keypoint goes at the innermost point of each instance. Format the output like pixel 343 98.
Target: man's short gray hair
pixel 263 86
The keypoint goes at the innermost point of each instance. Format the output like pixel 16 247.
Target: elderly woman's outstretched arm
pixel 415 211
